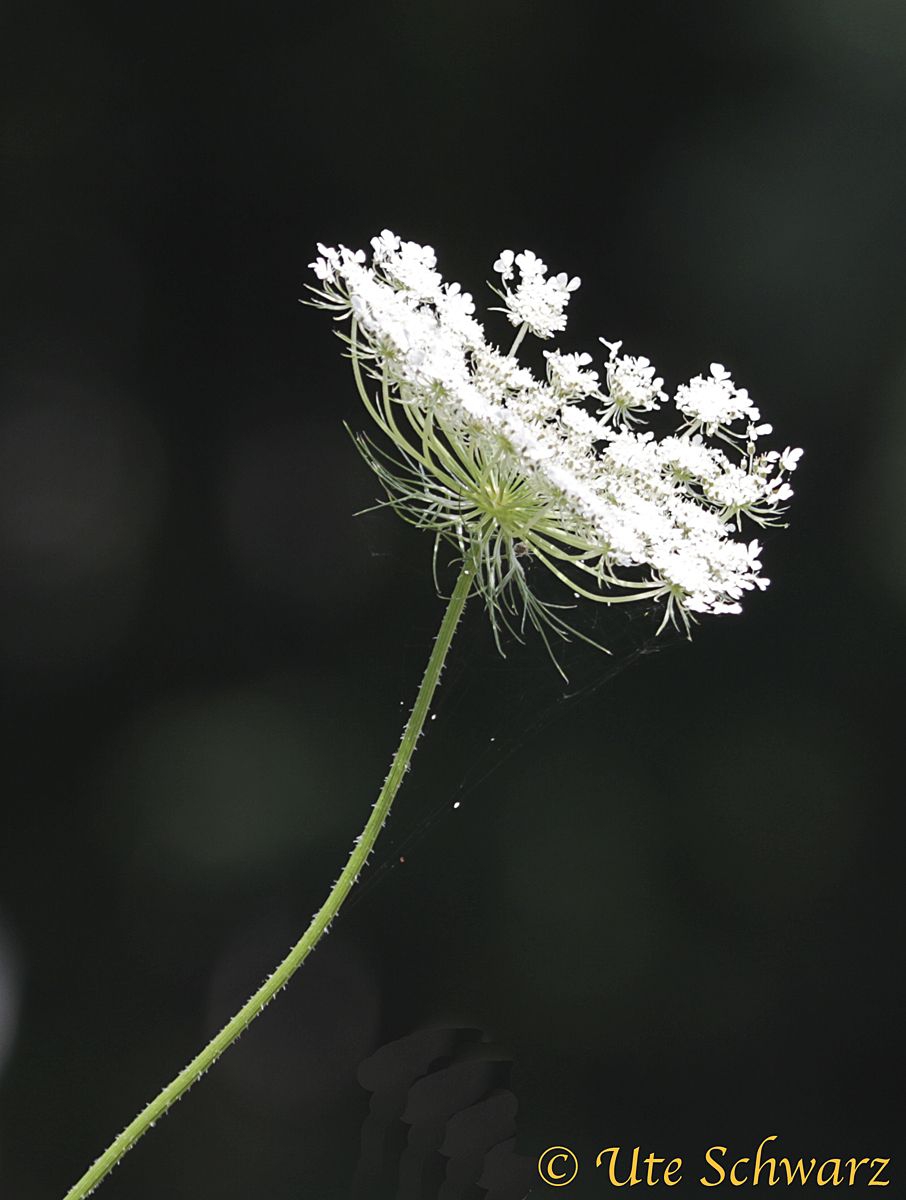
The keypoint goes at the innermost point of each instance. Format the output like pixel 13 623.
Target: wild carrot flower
pixel 522 473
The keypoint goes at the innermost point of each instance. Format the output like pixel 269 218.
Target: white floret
pixel 714 401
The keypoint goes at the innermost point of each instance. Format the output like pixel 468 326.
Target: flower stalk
pixel 322 919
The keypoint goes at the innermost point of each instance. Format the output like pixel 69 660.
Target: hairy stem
pixel 320 922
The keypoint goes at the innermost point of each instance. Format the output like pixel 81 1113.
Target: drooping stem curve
pixel 321 920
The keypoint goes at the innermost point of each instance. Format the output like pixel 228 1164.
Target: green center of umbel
pixel 506 503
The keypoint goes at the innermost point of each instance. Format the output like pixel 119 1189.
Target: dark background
pixel 676 902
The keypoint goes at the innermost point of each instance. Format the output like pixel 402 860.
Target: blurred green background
pixel 677 901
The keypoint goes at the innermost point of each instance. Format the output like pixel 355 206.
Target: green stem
pixel 320 922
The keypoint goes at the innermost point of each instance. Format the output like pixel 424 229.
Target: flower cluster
pixel 517 470
pixel 536 302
